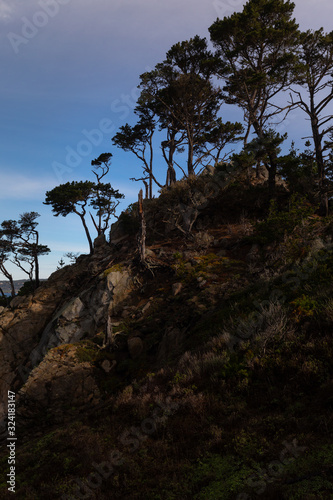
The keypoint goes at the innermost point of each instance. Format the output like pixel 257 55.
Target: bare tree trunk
pixel 190 169
pixel 146 189
pixel 10 279
pixel 91 247
pixel 142 234
pixel 108 333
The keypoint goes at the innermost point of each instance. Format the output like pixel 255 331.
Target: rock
pixel 317 245
pixel 69 334
pixel 108 366
pixel 100 241
pixel 135 347
pixel 176 288
pixel 119 283
pixel 73 310
pixel 59 381
pixel 16 301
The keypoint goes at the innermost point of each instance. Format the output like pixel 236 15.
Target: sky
pixel 69 76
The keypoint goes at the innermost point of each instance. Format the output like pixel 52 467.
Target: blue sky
pixel 69 76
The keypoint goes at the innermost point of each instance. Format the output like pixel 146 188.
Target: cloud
pixel 6 10
pixel 21 187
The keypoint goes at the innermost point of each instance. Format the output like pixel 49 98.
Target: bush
pixel 28 288
pixel 279 223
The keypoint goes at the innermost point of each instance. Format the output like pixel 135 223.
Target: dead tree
pixel 142 233
pixel 108 340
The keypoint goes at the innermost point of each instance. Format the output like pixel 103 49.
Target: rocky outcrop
pixel 21 326
pixel 84 315
pixel 73 304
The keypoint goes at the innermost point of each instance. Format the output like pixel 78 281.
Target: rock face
pixel 58 386
pixel 56 315
pixel 84 315
pixel 20 329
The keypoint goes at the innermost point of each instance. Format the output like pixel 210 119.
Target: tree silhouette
pixel 314 72
pixel 257 52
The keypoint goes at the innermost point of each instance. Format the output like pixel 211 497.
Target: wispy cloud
pixel 21 187
pixel 6 10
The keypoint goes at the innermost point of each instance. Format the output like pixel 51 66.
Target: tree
pixel 105 199
pixel 5 250
pixel 19 243
pixel 257 52
pixel 72 197
pixel 27 248
pixel 139 141
pixel 261 150
pixel 314 72
pixel 76 196
pixel 299 170
pixel 186 102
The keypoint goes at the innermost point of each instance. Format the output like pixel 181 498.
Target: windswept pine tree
pixel 257 51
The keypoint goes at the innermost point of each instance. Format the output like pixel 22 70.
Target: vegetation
pixel 19 244
pixel 216 381
pixel 76 196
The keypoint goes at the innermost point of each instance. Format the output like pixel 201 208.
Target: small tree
pixel 105 199
pixel 5 250
pixel 72 197
pixel 20 245
pixel 76 196
pixel 28 249
pixel 139 141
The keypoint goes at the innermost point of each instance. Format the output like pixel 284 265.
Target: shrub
pixel 28 288
pixel 304 306
pixel 279 223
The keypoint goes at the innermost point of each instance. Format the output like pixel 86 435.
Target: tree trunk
pixel 323 209
pixel 108 333
pixel 142 235
pixel 9 278
pixel 146 190
pixel 36 271
pixel 190 169
pixel 91 247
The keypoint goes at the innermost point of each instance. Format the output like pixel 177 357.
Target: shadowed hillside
pixel 202 371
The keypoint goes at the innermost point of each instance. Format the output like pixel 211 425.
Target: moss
pixel 113 269
pixel 87 351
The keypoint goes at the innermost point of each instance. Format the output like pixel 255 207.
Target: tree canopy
pixel 77 196
pixel 257 53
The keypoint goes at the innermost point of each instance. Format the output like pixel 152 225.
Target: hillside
pixel 216 382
